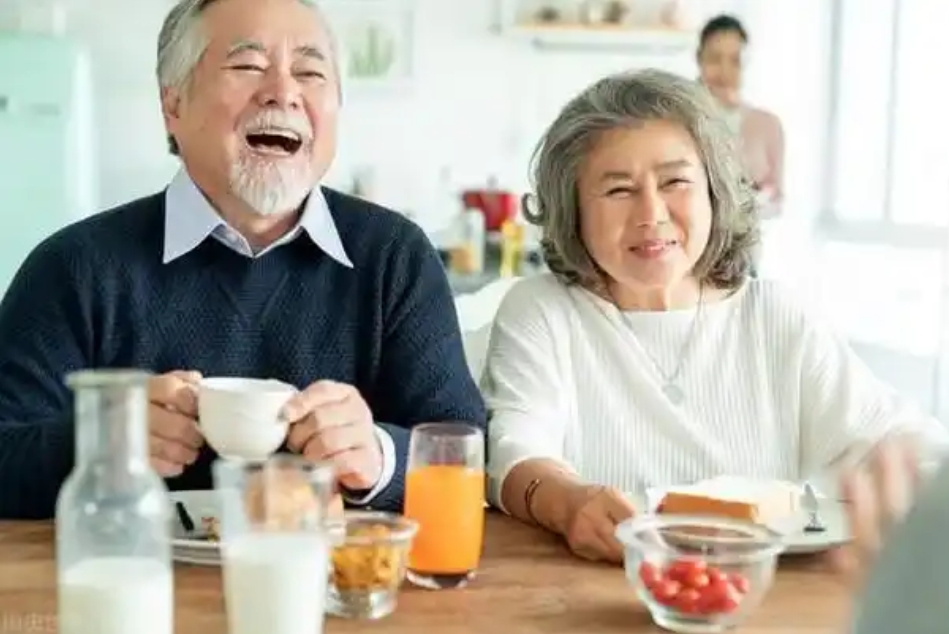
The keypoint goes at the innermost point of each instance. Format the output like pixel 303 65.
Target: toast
pixel 772 503
pixel 284 499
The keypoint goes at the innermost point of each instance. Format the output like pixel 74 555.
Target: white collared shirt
pixel 190 219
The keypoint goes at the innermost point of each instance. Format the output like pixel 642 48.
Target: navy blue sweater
pixel 97 295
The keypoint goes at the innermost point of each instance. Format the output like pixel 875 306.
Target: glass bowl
pixel 367 567
pixel 698 575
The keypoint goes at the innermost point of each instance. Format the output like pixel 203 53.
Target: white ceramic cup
pixel 240 418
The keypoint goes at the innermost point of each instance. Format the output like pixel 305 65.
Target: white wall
pixel 478 103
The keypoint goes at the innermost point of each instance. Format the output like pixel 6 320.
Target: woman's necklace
pixel 670 381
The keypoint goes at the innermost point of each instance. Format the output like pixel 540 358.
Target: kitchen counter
pixel 463 284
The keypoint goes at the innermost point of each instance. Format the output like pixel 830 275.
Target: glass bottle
pixel 113 515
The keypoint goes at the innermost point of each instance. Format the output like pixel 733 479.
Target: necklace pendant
pixel 674 393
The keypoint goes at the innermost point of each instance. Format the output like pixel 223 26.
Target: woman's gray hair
pixel 182 43
pixel 619 101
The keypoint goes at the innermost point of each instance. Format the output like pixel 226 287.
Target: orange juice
pixel 448 503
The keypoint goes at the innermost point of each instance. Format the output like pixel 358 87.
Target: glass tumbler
pixel 275 543
pixel 445 495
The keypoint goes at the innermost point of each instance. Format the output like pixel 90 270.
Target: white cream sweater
pixel 770 391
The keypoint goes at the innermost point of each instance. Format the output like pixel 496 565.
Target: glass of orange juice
pixel 444 493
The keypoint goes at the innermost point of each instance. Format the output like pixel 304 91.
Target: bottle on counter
pixel 113 515
pixel 475 237
pixel 468 253
pixel 512 248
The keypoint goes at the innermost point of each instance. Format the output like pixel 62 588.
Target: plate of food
pixel 196 532
pixel 784 507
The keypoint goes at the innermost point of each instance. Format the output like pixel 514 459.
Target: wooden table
pixel 528 584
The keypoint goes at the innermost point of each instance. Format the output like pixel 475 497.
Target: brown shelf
pixel 555 27
pixel 652 39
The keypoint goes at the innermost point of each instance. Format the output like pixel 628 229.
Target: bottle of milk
pixel 113 515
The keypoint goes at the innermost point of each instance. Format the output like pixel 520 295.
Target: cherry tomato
pixel 739 582
pixel 650 574
pixel 666 590
pixel 713 596
pixel 683 569
pixel 730 601
pixel 697 579
pixel 688 601
pixel 716 575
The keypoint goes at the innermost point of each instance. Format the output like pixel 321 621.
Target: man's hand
pixel 331 421
pixel 173 436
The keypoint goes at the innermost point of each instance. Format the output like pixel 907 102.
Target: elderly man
pixel 244 266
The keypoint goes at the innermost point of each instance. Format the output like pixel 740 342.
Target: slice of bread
pixel 773 503
pixel 284 499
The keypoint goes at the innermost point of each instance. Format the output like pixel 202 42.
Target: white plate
pixel 202 552
pixel 837 533
pixel 797 541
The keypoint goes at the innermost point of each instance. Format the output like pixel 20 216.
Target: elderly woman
pixel 647 357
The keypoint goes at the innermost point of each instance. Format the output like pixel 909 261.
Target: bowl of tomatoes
pixel 698 575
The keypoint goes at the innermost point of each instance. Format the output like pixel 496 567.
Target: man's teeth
pixel 287 134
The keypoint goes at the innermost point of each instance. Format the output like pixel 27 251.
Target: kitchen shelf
pixel 622 37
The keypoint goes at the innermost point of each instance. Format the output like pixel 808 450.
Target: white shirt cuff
pixel 388 469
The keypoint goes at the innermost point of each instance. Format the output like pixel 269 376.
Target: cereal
pixel 212 528
pixel 368 566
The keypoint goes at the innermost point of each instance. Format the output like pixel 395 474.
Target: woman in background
pixel 721 53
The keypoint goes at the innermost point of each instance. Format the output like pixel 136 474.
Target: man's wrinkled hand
pixel 331 422
pixel 173 435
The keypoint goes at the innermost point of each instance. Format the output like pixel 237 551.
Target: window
pixel 920 174
pixel 890 148
pixel 860 111
pixel 885 218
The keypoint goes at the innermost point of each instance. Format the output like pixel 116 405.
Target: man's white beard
pixel 271 186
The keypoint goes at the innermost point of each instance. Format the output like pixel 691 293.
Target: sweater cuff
pixel 389 461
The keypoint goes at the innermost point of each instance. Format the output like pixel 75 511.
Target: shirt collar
pixel 190 219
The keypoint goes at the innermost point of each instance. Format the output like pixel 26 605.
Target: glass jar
pixel 113 515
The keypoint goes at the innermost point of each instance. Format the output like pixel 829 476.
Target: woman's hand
pixel 592 515
pixel 549 493
pixel 878 493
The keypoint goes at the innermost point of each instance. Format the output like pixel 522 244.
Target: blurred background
pixel 445 99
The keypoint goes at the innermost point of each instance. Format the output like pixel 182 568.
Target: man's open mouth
pixel 274 141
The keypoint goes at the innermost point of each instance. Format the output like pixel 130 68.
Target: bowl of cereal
pixel 370 553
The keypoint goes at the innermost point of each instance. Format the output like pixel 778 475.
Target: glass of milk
pixel 113 515
pixel 275 543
